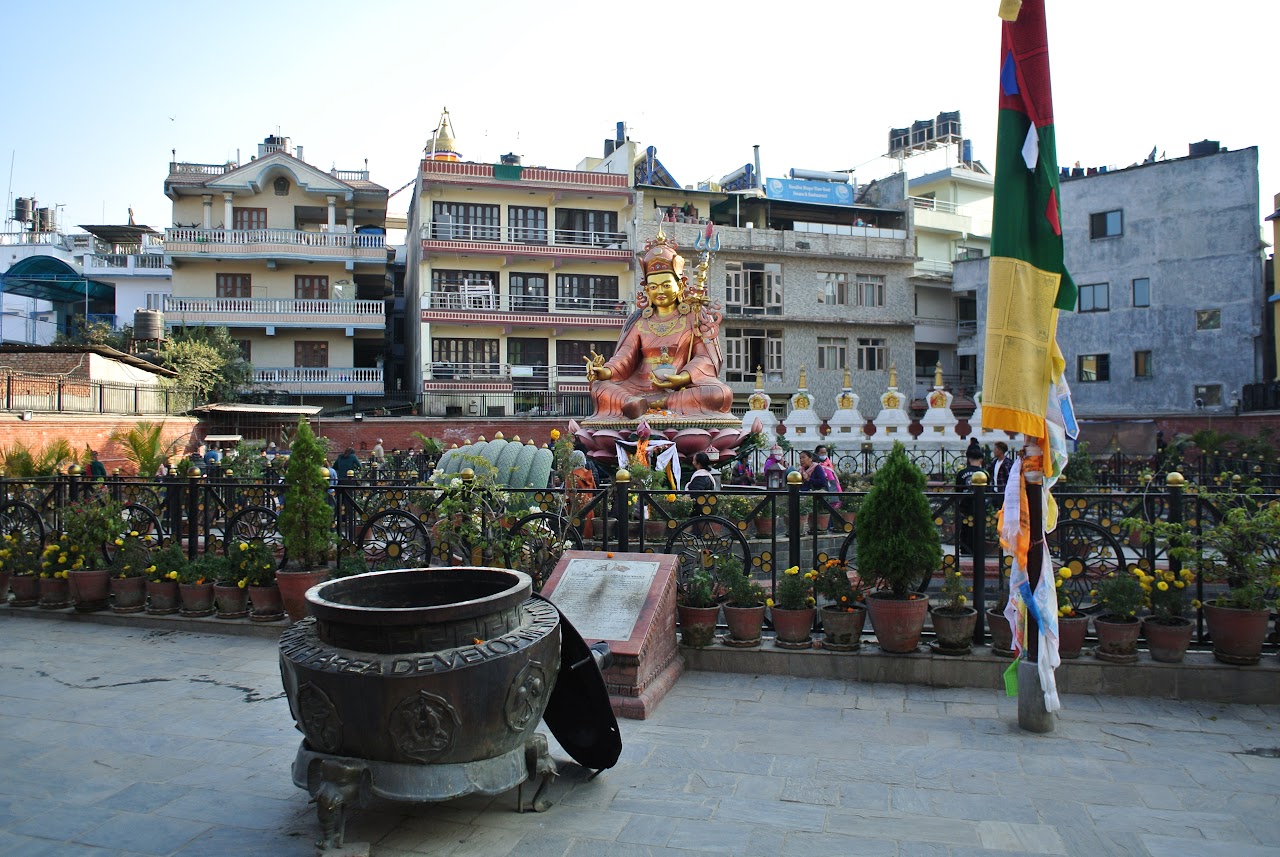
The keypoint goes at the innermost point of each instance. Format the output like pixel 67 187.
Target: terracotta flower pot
pixel 697 625
pixel 128 594
pixel 1117 639
pixel 1071 633
pixel 293 589
pixel 55 593
pixel 4 587
pixel 230 600
pixel 196 599
pixel 1168 639
pixel 793 628
pixel 265 603
pixel 764 526
pixel 744 625
pixel 162 597
pixel 26 590
pixel 953 630
pixel 1001 634
pixel 897 623
pixel 90 589
pixel 842 629
pixel 1237 634
pixel 819 522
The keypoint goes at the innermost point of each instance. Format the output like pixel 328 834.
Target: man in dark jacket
pixel 347 462
pixel 964 506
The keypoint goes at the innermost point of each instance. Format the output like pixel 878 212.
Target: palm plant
pixel 144 447
pixel 19 461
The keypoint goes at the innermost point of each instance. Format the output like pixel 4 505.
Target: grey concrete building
pixel 1169 262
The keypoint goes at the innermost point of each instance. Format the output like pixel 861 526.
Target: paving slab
pixel 118 740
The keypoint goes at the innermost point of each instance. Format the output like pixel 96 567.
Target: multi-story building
pixel 518 273
pixel 1168 262
pixel 292 259
pixel 951 214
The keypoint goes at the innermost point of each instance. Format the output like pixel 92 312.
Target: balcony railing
pixel 263 312
pixel 319 380
pixel 928 204
pixel 184 168
pixel 54 239
pixel 933 268
pixel 471 297
pixel 276 242
pixel 520 376
pixel 437 231
pixel 966 329
pixel 126 263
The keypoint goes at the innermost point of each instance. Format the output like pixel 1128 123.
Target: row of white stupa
pixel 847 426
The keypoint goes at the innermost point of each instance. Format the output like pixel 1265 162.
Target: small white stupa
pixel 985 436
pixel 759 411
pixel 939 421
pixel 804 429
pixel 848 426
pixel 893 422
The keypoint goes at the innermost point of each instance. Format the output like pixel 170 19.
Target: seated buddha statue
pixel 668 356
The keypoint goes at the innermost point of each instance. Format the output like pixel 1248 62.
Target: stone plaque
pixel 603 598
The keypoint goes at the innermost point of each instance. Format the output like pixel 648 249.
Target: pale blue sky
pixel 97 94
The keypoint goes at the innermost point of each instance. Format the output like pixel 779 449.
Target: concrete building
pixel 518 274
pixel 292 259
pixel 1169 265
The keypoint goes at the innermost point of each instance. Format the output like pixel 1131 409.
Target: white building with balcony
pixel 292 260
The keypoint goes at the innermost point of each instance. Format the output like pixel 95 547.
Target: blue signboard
pixel 825 193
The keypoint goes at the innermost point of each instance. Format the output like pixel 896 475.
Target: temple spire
pixel 441 145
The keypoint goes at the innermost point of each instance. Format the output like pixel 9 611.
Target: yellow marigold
pixel 795 569
pixel 133 533
pixel 555 434
pixel 241 584
pixel 1196 603
pixel 811 575
pixel 1178 584
pixel 173 575
pixel 671 498
pixel 1162 586
pixel 810 601
pixel 963 600
pixel 768 602
pixel 119 542
pixel 244 546
pixel 151 569
pixel 1064 573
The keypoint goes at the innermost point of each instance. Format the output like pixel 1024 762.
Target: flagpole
pixel 1033 715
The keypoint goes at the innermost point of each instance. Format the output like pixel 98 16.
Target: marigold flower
pixel 241 583
pixel 768 602
pixel 133 533
pixel 795 569
pixel 173 575
pixel 555 434
pixel 1196 603
pixel 244 546
pixel 119 542
pixel 1162 586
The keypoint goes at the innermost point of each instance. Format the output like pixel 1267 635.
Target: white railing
pixel 447 371
pixel 272 306
pixel 437 231
pixel 41 238
pixel 966 329
pixel 934 204
pixel 463 299
pixel 277 237
pixel 125 262
pixel 290 375
pixel 350 175
pixel 933 267
pixel 177 167
pixel 520 376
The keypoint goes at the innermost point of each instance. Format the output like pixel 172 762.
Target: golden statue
pixel 668 359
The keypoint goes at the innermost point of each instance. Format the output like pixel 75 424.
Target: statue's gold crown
pixel 660 256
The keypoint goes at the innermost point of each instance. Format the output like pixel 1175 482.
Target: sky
pixel 89 122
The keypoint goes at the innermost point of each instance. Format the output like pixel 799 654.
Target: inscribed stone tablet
pixel 603 597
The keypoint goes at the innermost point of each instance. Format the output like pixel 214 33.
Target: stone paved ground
pixel 123 741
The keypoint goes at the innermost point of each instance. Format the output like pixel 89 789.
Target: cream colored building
pixel 292 260
pixel 517 273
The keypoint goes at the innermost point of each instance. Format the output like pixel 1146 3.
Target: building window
pixel 155 300
pixel 527 225
pixel 1208 319
pixel 586 293
pixel 310 288
pixel 1142 364
pixel 1106 224
pixel 460 221
pixel 248 218
pixel 1208 395
pixel 234 285
pixel 464 358
pixel 873 355
pixel 572 354
pixel 1095 297
pixel 870 290
pixel 753 288
pixel 831 352
pixel 833 288
pixel 311 354
pixel 927 360
pixel 528 292
pixel 747 348
pixel 583 226
pixel 1094 367
pixel 246 349
pixel 1142 292
pixel 454 289
pixel 281 186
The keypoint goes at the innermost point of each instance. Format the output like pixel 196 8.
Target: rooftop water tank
pixel 148 324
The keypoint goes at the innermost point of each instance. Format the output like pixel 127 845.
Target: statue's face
pixel 663 289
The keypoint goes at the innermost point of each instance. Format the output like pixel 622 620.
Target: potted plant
pixel 697 608
pixel 195 585
pixel 792 609
pixel 162 580
pixel 230 590
pixel 55 566
pixel 1120 594
pixel 1167 631
pixel 255 561
pixel 90 524
pixel 1073 626
pixel 743 603
pixel 844 617
pixel 898 546
pixel 953 618
pixel 20 558
pixel 306 522
pixel 131 562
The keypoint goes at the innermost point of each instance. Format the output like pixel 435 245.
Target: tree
pixel 306 521
pixel 898 542
pixel 207 361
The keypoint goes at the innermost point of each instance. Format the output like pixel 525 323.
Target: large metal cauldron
pixel 438 666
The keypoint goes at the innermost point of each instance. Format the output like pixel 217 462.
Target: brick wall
pixel 90 430
pixel 47 363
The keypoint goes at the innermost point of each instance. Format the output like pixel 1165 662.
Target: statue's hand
pixel 678 381
pixel 596 370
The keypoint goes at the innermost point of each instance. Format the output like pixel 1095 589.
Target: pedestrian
pixel 702 479
pixel 973 449
pixel 578 490
pixel 97 470
pixel 964 505
pixel 1001 464
pixel 347 463
pixel 377 453
pixel 815 475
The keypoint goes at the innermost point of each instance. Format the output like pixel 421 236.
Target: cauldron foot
pixel 538 759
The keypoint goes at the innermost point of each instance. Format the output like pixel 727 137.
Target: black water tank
pixel 1205 147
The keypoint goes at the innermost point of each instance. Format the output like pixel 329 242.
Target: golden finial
pixel 497 436
pixel 515 438
pixel 662 236
pixel 937 375
pixel 848 380
pixel 759 377
pixel 893 375
pixel 804 382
